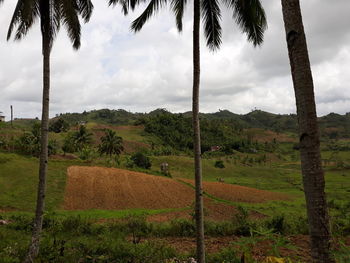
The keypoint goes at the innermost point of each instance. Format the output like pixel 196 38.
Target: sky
pixel 118 69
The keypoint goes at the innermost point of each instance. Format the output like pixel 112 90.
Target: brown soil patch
pixel 237 193
pixel 213 211
pixel 111 188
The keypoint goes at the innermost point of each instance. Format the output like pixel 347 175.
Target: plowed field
pixel 111 188
pixel 237 193
pixel 117 189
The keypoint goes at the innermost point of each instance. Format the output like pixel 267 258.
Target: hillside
pixel 333 125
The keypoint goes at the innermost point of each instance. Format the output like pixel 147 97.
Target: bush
pixel 141 160
pixel 277 224
pixel 219 164
pixel 58 125
pixel 87 153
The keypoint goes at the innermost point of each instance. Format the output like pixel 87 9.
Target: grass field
pixel 251 226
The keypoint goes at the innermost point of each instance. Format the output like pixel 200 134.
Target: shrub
pixel 141 160
pixel 277 224
pixel 87 153
pixel 219 164
pixel 59 125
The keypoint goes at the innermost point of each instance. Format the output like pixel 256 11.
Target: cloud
pixel 116 68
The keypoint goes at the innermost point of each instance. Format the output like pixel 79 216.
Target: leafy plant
pixel 141 160
pixel 111 144
pixel 219 164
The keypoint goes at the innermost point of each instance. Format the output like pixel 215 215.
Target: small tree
pixel 59 125
pixel 81 138
pixel 111 144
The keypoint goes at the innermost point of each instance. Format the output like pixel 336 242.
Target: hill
pixel 333 125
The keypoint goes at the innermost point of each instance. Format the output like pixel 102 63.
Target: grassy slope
pixel 18 176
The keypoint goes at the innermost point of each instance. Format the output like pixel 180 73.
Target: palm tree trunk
pixel 40 204
pixel 196 132
pixel 311 166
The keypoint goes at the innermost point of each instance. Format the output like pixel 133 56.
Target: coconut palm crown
pixel 52 14
pixel 248 14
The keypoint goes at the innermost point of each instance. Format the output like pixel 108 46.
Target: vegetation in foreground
pixel 269 162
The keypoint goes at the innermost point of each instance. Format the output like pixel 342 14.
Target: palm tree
pixel 51 14
pixel 311 166
pixel 81 137
pixel 250 17
pixel 111 143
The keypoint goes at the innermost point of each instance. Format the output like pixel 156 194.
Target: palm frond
pixel 250 17
pixel 152 8
pixel 24 16
pixel 69 17
pixel 56 16
pixel 211 17
pixel 85 9
pixel 126 4
pixel 178 7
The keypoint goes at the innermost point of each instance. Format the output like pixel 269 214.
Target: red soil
pixel 110 188
pixel 237 193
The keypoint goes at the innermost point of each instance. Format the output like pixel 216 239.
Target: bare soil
pixel 117 189
pixel 237 193
pixel 111 188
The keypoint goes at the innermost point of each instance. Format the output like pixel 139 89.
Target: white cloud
pixel 116 68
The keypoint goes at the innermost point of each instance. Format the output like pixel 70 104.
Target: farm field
pixel 113 210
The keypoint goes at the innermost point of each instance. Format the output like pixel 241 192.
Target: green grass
pixel 94 214
pixel 18 180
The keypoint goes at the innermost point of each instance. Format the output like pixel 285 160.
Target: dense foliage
pixel 175 130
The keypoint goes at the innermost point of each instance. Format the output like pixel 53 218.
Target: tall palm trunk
pixel 312 172
pixel 40 204
pixel 196 134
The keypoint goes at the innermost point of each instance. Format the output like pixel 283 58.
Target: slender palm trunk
pixel 40 204
pixel 196 132
pixel 312 172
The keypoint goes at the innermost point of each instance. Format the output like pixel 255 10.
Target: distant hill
pixel 333 125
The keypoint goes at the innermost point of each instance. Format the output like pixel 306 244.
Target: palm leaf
pixel 250 17
pixel 24 16
pixel 85 9
pixel 150 10
pixel 211 17
pixel 69 17
pixel 126 4
pixel 178 7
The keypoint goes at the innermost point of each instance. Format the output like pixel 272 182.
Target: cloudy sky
pixel 118 69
